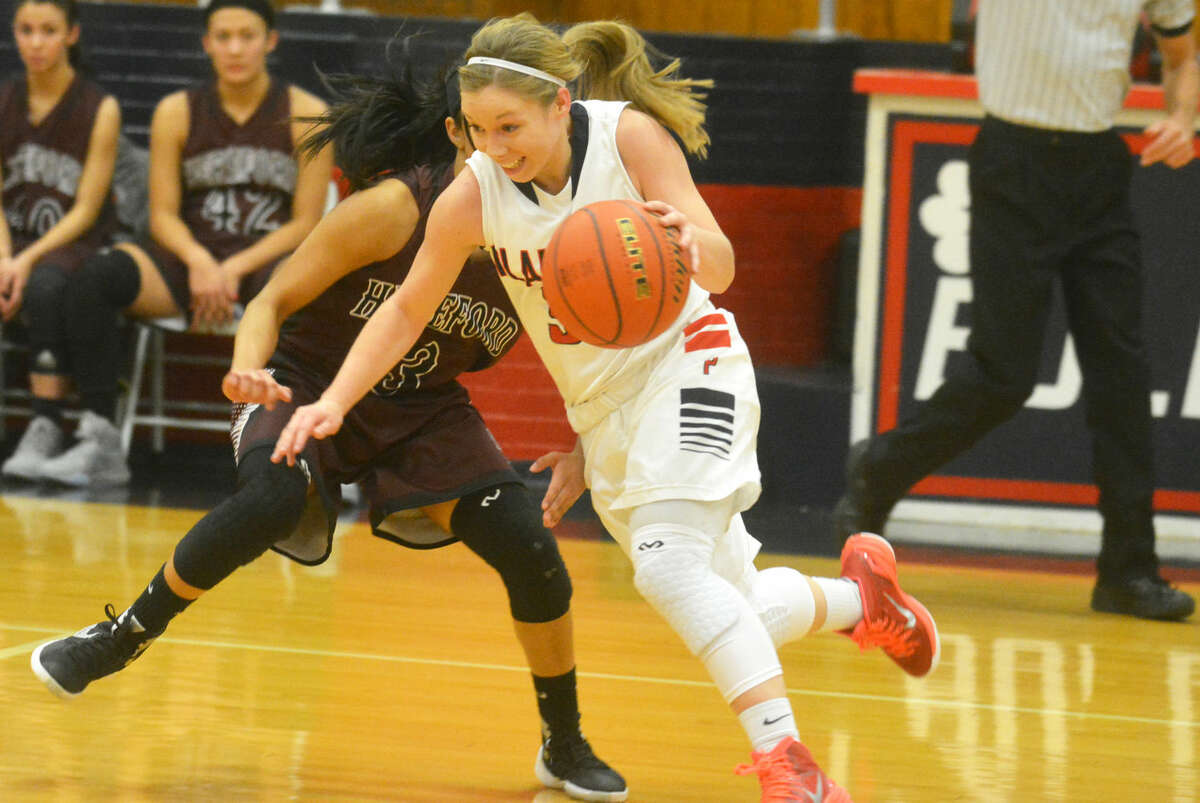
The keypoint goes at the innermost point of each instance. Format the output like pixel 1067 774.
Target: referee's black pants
pixel 1047 207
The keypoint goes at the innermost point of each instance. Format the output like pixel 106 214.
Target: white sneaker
pixel 95 461
pixel 42 440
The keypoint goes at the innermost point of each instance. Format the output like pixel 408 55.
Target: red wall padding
pixel 785 240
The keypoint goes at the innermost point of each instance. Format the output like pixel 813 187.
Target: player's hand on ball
pixel 566 483
pixel 255 387
pixel 672 218
pixel 614 276
pixel 318 420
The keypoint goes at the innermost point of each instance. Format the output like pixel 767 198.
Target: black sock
pixel 558 705
pixel 49 408
pixel 157 605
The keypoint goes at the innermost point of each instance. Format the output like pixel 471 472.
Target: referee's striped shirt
pixel 1064 64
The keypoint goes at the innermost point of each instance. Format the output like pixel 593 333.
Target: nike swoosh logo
pixel 492 497
pixel 910 619
pixel 776 719
pixel 819 796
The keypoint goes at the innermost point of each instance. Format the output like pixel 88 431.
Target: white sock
pixel 843 603
pixel 769 723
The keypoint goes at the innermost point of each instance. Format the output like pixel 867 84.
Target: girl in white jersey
pixel 667 428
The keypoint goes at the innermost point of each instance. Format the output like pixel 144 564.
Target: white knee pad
pixel 743 656
pixel 672 572
pixel 784 602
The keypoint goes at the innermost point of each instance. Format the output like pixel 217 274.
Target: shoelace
pixel 778 775
pixel 577 752
pixel 101 647
pixel 889 634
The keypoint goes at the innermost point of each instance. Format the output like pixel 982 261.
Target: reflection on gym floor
pixel 388 674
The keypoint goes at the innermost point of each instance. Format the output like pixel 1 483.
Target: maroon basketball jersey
pixel 238 179
pixel 474 326
pixel 43 163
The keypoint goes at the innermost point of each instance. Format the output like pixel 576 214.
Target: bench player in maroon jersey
pixel 58 146
pixel 228 199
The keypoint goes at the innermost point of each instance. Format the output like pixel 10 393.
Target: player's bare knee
pixel 503 525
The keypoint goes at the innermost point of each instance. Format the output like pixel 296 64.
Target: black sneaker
pixel 69 664
pixel 1147 597
pixel 855 512
pixel 572 767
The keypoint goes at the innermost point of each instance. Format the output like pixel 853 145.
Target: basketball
pixel 613 276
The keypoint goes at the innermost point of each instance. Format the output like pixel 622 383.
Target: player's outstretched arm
pixel 369 226
pixel 258 386
pixel 452 233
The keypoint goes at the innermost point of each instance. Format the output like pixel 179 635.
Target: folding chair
pixel 150 353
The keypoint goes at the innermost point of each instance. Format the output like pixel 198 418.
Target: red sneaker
pixel 788 773
pixel 892 620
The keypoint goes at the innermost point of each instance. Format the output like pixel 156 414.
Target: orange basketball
pixel 613 276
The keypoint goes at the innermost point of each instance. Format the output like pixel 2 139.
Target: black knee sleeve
pixel 265 508
pixel 111 276
pixel 106 284
pixel 503 525
pixel 44 314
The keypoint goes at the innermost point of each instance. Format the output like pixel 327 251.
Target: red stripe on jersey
pixel 708 340
pixel 715 318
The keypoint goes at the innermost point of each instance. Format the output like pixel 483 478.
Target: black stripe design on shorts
pixel 706 421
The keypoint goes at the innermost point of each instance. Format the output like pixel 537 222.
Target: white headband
pixel 515 67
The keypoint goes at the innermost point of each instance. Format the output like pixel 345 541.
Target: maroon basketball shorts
pixel 407 451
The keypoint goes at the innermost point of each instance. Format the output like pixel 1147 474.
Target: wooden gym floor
pixel 392 675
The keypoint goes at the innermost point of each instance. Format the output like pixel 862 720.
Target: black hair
pixel 70 10
pixel 262 8
pixel 389 123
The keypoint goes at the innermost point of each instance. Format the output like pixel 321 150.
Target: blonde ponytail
pixel 609 61
pixel 615 61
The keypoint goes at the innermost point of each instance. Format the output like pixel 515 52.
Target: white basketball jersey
pixel 518 222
